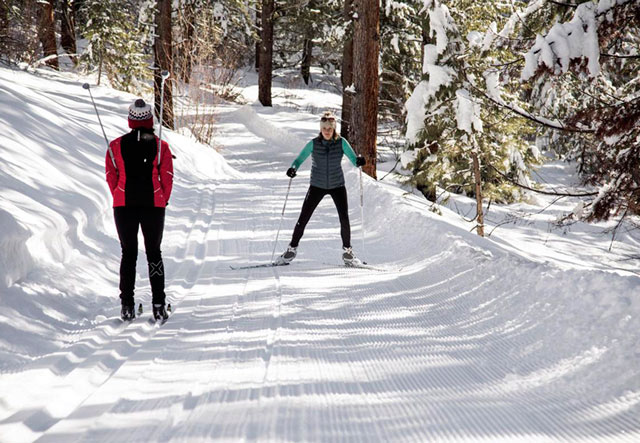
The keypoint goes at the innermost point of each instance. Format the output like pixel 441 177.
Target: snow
pixel 417 104
pixel 407 157
pixel 440 22
pixel 489 36
pixel 518 17
pixel 475 38
pixel 527 336
pixel 566 42
pixel 467 112
pixel 395 43
pixel 492 79
pixel 15 259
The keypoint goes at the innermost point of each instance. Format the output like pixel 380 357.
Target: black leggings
pixel 311 201
pixel 151 220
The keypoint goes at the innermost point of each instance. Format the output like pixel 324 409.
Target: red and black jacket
pixel 138 181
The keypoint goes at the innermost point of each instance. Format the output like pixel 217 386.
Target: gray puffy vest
pixel 326 159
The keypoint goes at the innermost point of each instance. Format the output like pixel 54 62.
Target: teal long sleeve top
pixel 326 159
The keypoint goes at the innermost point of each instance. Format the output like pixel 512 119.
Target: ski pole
pixel 88 88
pixel 281 217
pixel 165 76
pixel 362 209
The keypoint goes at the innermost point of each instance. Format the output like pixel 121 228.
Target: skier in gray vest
pixel 326 152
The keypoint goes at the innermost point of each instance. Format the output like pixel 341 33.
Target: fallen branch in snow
pixel 392 169
pixel 615 230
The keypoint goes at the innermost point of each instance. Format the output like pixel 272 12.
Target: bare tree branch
pixel 568 5
pixel 558 194
pixel 618 55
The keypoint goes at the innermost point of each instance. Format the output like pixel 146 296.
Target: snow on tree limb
pixel 576 41
pixel 565 43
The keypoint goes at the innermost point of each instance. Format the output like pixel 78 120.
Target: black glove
pixel 291 172
pixel 360 161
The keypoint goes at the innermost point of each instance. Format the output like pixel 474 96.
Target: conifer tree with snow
pixel 452 114
pixel 116 42
pixel 400 55
pixel 308 33
pixel 583 73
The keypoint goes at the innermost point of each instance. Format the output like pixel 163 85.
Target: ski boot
pixel 160 312
pixel 128 312
pixel 349 257
pixel 287 256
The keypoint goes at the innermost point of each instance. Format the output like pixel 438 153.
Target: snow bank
pixel 197 159
pixel 15 259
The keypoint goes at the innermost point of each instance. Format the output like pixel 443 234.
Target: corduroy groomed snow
pixel 140 115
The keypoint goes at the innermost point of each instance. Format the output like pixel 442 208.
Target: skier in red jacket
pixel 141 189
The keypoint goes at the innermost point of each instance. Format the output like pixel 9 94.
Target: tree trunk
pixel 46 32
pixel 4 24
pixel 188 35
pixel 366 52
pixel 478 181
pixel 163 62
pixel 305 69
pixel 266 53
pixel 100 67
pixel 347 71
pixel 68 29
pixel 259 28
pixel 307 48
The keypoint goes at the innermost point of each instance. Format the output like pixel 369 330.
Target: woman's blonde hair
pixel 329 115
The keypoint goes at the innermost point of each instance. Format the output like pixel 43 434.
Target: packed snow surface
pixel 528 336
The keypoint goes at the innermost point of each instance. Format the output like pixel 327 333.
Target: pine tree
pixel 592 61
pixel 46 33
pixel 4 28
pixel 266 52
pixel 401 57
pixel 455 124
pixel 346 73
pixel 366 52
pixel 163 54
pixel 68 28
pixel 115 43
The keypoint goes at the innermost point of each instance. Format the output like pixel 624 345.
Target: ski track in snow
pixel 441 348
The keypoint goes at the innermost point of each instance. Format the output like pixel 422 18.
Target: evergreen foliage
pixel 400 54
pixel 317 20
pixel 591 86
pixel 116 39
pixel 455 110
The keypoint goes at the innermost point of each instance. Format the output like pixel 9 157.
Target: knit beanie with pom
pixel 140 115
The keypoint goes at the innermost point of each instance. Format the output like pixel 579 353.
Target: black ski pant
pixel 151 220
pixel 311 201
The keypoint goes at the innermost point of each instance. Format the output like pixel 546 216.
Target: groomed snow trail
pixel 454 340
